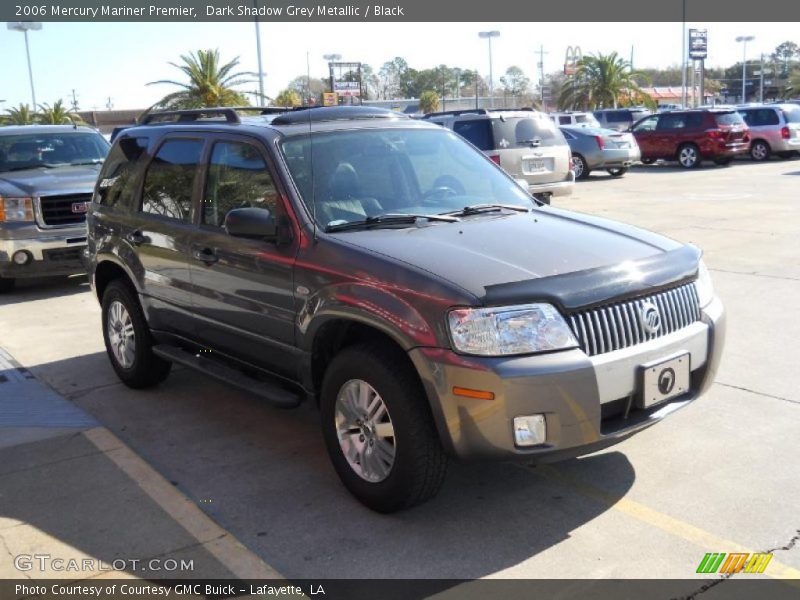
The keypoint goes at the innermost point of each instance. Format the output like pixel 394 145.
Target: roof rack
pixel 190 115
pixel 524 109
pixel 455 113
pixel 335 113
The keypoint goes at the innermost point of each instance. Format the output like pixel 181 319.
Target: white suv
pixel 524 142
pixel 573 119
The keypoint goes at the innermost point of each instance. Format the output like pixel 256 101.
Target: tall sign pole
pixel 698 51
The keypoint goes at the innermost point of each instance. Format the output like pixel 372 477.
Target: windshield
pixel 348 176
pixel 729 118
pixel 30 150
pixel 520 132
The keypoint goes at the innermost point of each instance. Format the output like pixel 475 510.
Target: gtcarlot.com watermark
pixel 47 562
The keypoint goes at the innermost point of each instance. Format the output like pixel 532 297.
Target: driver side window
pixel 649 124
pixel 238 177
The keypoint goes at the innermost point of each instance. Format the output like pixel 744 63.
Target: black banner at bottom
pixel 404 589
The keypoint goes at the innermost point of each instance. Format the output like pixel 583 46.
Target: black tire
pixel 617 171
pixel 723 162
pixel 648 161
pixel 760 150
pixel 688 156
pixel 419 464
pixel 146 369
pixel 7 284
pixel 787 155
pixel 582 169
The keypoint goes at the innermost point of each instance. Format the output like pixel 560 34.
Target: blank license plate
pixel 665 379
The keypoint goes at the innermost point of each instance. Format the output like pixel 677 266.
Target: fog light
pixel 22 257
pixel 530 430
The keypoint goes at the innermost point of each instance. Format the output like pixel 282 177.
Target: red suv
pixel 690 136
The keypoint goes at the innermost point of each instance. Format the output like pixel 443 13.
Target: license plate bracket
pixel 664 379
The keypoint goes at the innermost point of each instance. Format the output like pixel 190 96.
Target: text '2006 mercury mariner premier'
pixel 389 271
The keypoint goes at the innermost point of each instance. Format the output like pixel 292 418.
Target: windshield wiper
pixel 94 161
pixel 474 209
pixel 27 167
pixel 387 219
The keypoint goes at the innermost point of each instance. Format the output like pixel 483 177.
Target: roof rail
pixel 190 115
pixel 320 114
pixel 524 108
pixel 455 113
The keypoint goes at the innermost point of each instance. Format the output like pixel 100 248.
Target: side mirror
pixel 251 222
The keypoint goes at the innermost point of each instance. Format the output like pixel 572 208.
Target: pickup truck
pixel 47 175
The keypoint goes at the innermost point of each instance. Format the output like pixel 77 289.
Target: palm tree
pixel 57 114
pixel 210 84
pixel 602 81
pixel 21 115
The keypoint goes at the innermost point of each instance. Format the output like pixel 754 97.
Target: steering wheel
pixel 440 191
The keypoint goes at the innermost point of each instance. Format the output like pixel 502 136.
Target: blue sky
pixel 101 60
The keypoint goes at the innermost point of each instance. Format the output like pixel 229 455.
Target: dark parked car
pixel 47 173
pixel 387 270
pixel 691 136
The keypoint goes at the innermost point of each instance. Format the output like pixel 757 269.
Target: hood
pixel 41 181
pixel 491 255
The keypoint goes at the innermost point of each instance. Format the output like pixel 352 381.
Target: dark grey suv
pixel 387 270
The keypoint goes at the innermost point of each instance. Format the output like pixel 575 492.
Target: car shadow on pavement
pixel 264 475
pixel 45 287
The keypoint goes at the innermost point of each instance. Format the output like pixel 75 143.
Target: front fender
pixel 384 309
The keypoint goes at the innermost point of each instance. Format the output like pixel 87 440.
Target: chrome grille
pixel 619 325
pixel 57 210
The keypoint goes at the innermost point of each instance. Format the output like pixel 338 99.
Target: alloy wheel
pixel 121 335
pixel 688 156
pixel 365 430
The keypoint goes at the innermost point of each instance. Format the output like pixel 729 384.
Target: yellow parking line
pixel 240 561
pixel 700 537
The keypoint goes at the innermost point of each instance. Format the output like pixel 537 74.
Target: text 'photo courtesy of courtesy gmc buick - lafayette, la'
pixel 47 174
pixel 390 272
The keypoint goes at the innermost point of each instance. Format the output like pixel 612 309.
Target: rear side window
pixel 477 132
pixel 618 116
pixel 694 121
pixel 729 118
pixel 672 121
pixel 120 172
pixel 792 115
pixel 169 180
pixel 760 117
pixel 520 132
pixel 564 120
pixel 237 178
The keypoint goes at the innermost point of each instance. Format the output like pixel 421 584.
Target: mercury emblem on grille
pixel 651 318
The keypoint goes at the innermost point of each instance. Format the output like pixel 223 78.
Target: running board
pixel 267 390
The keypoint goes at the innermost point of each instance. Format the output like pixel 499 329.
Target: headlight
pixel 705 289
pixel 507 330
pixel 16 209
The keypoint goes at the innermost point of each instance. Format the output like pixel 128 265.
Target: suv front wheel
pixel 378 428
pixel 128 340
pixel 688 156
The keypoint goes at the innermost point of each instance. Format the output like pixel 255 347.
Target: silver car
pixel 595 148
pixel 774 129
pixel 524 142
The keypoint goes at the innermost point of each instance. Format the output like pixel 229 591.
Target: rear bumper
pixel 582 398
pixel 557 188
pixel 48 252
pixel 617 157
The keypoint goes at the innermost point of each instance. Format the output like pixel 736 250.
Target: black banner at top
pixel 532 11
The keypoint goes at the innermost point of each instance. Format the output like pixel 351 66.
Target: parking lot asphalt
pixel 718 476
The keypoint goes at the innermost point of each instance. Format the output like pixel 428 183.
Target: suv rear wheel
pixel 6 284
pixel 760 150
pixel 378 428
pixel 128 340
pixel 688 156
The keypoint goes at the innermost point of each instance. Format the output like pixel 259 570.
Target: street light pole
pixel 24 27
pixel 744 39
pixel 488 35
pixel 258 52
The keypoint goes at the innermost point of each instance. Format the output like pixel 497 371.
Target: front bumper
pixel 51 252
pixel 557 188
pixel 581 397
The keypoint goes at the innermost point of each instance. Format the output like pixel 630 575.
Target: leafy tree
pixel 393 77
pixel 314 87
pixel 370 82
pixel 514 81
pixel 57 114
pixel 429 101
pixel 21 115
pixel 288 98
pixel 209 84
pixel 786 52
pixel 602 81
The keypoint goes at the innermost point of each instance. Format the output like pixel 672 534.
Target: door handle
pixel 205 254
pixel 137 238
